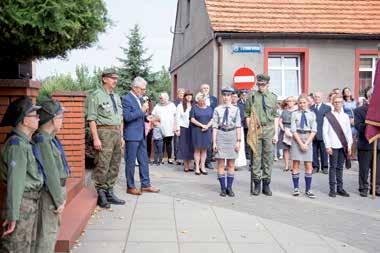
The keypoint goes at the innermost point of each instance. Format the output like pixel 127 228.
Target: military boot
pixel 266 188
pixel 257 189
pixel 102 199
pixel 113 199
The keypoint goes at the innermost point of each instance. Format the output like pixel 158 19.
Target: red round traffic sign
pixel 244 78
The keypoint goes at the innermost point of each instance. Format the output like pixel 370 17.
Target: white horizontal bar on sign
pixel 244 79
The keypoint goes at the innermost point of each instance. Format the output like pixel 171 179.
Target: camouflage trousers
pixel 262 162
pixel 48 224
pixel 23 238
pixel 107 161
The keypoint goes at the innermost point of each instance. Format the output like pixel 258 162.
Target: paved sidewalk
pixel 158 223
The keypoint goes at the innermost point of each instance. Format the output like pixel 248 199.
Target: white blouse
pixel 167 114
pixel 183 118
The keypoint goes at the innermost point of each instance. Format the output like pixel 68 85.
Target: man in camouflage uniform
pixel 53 195
pixel 263 102
pixel 22 173
pixel 105 115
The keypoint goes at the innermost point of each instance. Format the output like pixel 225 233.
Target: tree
pixel 162 83
pixel 134 64
pixel 49 28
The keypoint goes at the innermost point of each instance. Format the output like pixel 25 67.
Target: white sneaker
pixel 310 195
pixel 296 192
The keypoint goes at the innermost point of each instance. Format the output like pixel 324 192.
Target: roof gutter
pixel 279 35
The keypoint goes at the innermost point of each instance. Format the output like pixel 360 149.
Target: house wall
pixel 331 62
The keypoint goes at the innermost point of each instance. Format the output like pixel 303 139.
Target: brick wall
pixel 72 134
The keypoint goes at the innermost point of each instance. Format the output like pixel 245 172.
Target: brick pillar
pixel 11 89
pixel 72 133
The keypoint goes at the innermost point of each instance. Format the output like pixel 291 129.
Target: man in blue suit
pixel 134 110
pixel 211 101
pixel 319 151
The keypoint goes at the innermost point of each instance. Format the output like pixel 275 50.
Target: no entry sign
pixel 244 78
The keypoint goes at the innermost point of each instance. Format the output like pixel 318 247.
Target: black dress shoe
pixel 363 194
pixel 230 193
pixel 332 194
pixel 343 193
pixel 113 199
pixel 223 193
pixel 325 171
pixel 197 173
pixel 209 166
pixel 204 172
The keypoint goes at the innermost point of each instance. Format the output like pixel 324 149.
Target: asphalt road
pixel 354 220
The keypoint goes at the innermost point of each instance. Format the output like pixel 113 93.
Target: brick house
pixel 304 45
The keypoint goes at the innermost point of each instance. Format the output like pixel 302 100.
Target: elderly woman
pixel 166 110
pixel 201 121
pixel 226 136
pixel 304 127
pixel 185 150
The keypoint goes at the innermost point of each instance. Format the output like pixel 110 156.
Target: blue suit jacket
pixel 134 119
pixel 213 102
pixel 320 116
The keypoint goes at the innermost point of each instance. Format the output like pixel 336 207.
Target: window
pixel 367 69
pixel 285 75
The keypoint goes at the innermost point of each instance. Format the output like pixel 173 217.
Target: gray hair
pixel 181 90
pixel 165 96
pixel 200 96
pixel 139 82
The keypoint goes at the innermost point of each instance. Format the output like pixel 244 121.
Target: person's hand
pixel 214 147
pixel 349 152
pixel 145 107
pixel 237 146
pixel 97 144
pixel 59 210
pixel 274 139
pixel 150 118
pixel 10 227
pixel 329 151
pixel 177 132
pixel 304 147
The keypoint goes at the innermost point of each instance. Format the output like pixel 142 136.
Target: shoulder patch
pixel 14 140
pixel 38 138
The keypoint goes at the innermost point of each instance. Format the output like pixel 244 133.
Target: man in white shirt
pixel 338 141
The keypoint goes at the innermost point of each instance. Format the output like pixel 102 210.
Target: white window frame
pixel 373 69
pixel 283 68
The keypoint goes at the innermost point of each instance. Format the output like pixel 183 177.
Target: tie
pixel 303 120
pixel 264 104
pixel 38 157
pixel 59 146
pixel 225 117
pixel 113 103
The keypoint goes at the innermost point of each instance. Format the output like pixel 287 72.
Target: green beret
pixel 262 79
pixel 17 110
pixel 49 109
pixel 109 72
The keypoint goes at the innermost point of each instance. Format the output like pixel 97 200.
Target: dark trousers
pixel 158 150
pixel 247 148
pixel 319 155
pixel 337 160
pixel 175 144
pixel 365 159
pixel 168 146
pixel 149 143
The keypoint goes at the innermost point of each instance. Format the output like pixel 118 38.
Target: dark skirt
pixel 185 145
pixel 201 140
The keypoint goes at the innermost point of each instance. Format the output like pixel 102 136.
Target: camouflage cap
pixel 109 72
pixel 17 110
pixel 262 79
pixel 49 109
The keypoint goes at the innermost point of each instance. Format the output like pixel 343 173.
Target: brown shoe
pixel 133 191
pixel 150 189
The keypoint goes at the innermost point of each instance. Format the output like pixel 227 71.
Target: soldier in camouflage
pixel 53 195
pixel 105 116
pixel 22 173
pixel 263 102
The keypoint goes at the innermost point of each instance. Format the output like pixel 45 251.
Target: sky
pixel 155 17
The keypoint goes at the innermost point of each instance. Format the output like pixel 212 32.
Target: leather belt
pixel 226 129
pixel 108 127
pixel 303 131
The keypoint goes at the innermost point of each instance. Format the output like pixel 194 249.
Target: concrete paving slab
pixel 244 236
pixel 205 247
pixel 159 235
pixel 99 235
pixel 251 247
pixel 99 247
pixel 201 235
pixel 155 224
pixel 148 247
pixel 341 247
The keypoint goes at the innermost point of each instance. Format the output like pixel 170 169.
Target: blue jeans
pixel 136 150
pixel 158 150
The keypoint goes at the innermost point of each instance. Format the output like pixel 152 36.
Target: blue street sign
pixel 247 48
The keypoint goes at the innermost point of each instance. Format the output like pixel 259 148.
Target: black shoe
pixel 102 199
pixel 223 193
pixel 363 193
pixel 377 192
pixel 209 166
pixel 315 170
pixel 113 199
pixel 204 172
pixel 325 171
pixel 266 189
pixel 197 173
pixel 342 193
pixel 230 193
pixel 332 194
pixel 257 189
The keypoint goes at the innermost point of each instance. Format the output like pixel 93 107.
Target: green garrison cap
pixel 17 110
pixel 109 72
pixel 262 79
pixel 49 109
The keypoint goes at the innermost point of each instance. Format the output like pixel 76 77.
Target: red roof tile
pixel 295 16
